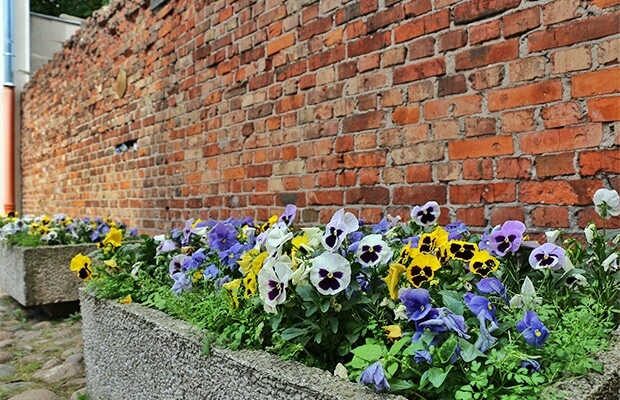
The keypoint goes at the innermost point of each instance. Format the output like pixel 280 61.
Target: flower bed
pixel 412 308
pixel 35 252
pixel 36 276
pixel 132 352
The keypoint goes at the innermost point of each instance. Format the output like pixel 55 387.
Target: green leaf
pixel 469 352
pixel 401 385
pixel 369 352
pixel 391 369
pixel 333 324
pixel 447 349
pixel 452 302
pixel 292 333
pixel 396 347
pixel 312 308
pixel 324 306
pixel 437 376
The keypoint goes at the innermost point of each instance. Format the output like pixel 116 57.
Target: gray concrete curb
pixel 38 276
pixel 132 352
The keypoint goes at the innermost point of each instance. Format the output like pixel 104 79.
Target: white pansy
pixel 607 203
pixel 552 236
pixel 610 262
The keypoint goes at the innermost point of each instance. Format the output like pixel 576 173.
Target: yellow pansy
pixel 114 237
pixel 249 283
pixel 392 279
pixel 126 300
pixel 483 263
pixel 422 269
pixel 80 264
pixel 393 332
pixel 430 242
pixel 232 288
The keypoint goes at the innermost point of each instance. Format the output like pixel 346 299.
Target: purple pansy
pixel 330 273
pixel 427 214
pixel 531 365
pixel 417 303
pixel 289 214
pixel 165 246
pixel 176 264
pixel 211 272
pixel 534 331
pixel 508 238
pixel 447 319
pixel 492 286
pixel 222 237
pixel 547 255
pixel 457 230
pixel 481 306
pixel 195 260
pixel 341 224
pixel 182 282
pixel 421 356
pixel 374 375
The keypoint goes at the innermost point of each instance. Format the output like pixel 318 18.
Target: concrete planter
pixel 40 276
pixel 132 352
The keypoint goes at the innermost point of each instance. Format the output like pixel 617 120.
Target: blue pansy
pixel 374 375
pixel 534 331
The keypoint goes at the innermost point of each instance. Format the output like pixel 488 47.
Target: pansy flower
pixel 483 263
pixel 607 203
pixel 461 250
pixel 374 375
pixel 275 239
pixel 457 230
pixel 417 303
pixel 448 320
pixel 391 280
pixel 531 366
pixel 481 306
pixel 427 214
pixel 372 251
pixel 80 264
pixel 508 238
pixel 222 237
pixel 431 242
pixel 272 282
pixel 547 255
pixel 422 356
pixel 422 269
pixel 289 214
pixel 534 331
pixel 330 273
pixel 176 264
pixel 492 286
pixel 182 282
pixel 338 228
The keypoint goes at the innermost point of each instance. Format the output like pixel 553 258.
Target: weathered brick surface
pixel 497 109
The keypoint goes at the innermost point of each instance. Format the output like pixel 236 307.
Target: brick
pixel 487 55
pixel 368 63
pixel 421 48
pixel 452 39
pixel 521 21
pixel 571 60
pixel 418 7
pixel 418 71
pixel 560 10
pixel 418 173
pixel 454 84
pixel 481 147
pixel 290 103
pixel 391 98
pixel 325 197
pixel 500 192
pixel 484 32
pixel 604 109
pixel 447 171
pixel 514 168
pixel 486 78
pixel 554 165
pixel 369 176
pixel 518 121
pixel 474 10
pixel 280 43
pixel 421 26
pixel 608 53
pixel 334 37
pixel 550 217
pixel 368 195
pixel 472 216
pixel 479 126
pixel 327 57
pixel 419 194
pixel 365 159
pixel 362 122
pixel 347 70
pixel 603 81
pixel 478 170
pixel 393 56
pixel 369 44
pixel 308 30
pixel 533 93
pixel 418 152
pixel 453 107
pixel 561 114
pixel 575 32
pixel 447 129
pixel 421 91
pixel 499 215
pixel 406 115
pixel 527 69
pixel 563 139
pixel 599 161
pixel 573 192
pixel 385 18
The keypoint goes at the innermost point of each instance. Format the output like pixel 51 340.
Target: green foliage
pixel 77 8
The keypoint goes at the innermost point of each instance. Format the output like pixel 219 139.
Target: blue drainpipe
pixel 8 42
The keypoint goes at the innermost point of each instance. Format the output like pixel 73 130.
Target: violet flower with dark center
pixel 222 237
pixel 508 238
pixel 330 273
pixel 547 255
pixel 427 214
pixel 289 214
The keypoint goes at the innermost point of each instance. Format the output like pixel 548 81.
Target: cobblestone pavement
pixel 40 356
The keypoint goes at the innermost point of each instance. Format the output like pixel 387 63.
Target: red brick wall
pixel 497 109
